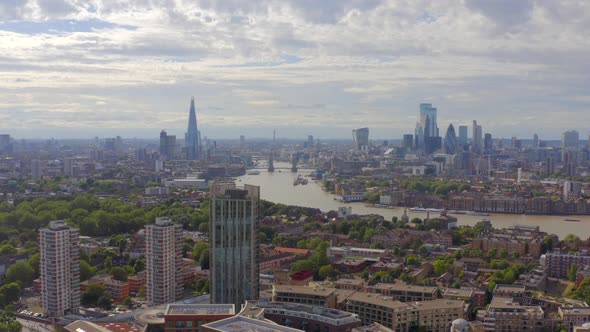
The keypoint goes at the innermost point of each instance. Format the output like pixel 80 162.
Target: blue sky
pixel 74 68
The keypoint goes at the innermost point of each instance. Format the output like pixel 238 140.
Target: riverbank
pixel 278 187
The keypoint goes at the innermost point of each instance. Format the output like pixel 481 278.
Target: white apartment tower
pixel 59 267
pixel 163 262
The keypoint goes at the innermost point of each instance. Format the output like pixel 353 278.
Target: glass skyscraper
pixel 192 135
pixel 233 243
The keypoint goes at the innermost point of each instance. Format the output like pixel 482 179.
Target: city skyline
pixel 104 69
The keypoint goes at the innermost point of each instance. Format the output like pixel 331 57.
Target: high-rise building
pixel 361 138
pixel 535 141
pixel 242 141
pixel 550 166
pixel 69 166
pixel 59 268
pixel 163 262
pixel 191 139
pixel 5 144
pixel 36 169
pixel 451 140
pixel 233 242
pixel 487 143
pixel 428 120
pixel 408 142
pixel 570 140
pixel 477 143
pixel 427 135
pixel 463 135
pixel 167 146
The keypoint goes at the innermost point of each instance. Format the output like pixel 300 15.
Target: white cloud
pixel 370 61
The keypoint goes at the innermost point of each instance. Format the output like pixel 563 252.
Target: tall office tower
pixel 535 141
pixel 233 243
pixel 477 139
pixel 428 120
pixel 419 137
pixel 5 144
pixel 361 138
pixel 451 140
pixel 427 134
pixel 167 146
pixel 59 268
pixel 163 262
pixel 36 169
pixel 242 141
pixel 191 138
pixel 408 142
pixel 463 135
pixel 487 143
pixel 570 140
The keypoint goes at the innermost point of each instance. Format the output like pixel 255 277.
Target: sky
pixel 84 68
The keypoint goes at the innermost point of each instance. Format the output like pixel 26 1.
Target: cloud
pixel 334 64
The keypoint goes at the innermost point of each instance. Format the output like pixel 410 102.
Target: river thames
pixel 278 187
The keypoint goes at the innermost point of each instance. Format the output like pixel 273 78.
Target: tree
pixel 198 248
pixel 204 259
pixel 327 271
pixel 9 293
pixel 20 272
pixel 105 302
pixel 34 263
pixel 139 265
pixel 119 273
pixel 441 266
pixel 86 271
pixel 93 293
pixel 128 302
pixel 7 249
pixel 108 263
pixel 572 272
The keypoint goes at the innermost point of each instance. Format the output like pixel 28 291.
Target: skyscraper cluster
pixel 192 149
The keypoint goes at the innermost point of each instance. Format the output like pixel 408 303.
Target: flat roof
pixel 318 291
pixel 377 299
pixel 458 292
pixel 343 281
pixel 85 326
pixel 200 309
pixel 402 286
pixel 246 324
pixel 439 304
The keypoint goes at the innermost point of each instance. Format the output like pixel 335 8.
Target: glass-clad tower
pixel 192 135
pixel 234 246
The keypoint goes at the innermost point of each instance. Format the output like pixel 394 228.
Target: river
pixel 278 187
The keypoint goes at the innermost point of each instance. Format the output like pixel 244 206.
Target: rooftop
pixel 200 309
pixel 380 300
pixel 245 324
pixel 402 286
pixel 84 326
pixel 319 291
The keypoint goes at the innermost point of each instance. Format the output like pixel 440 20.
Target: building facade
pixel 163 261
pixel 234 246
pixel 59 267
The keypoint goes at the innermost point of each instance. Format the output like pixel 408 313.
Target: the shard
pixel 192 137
